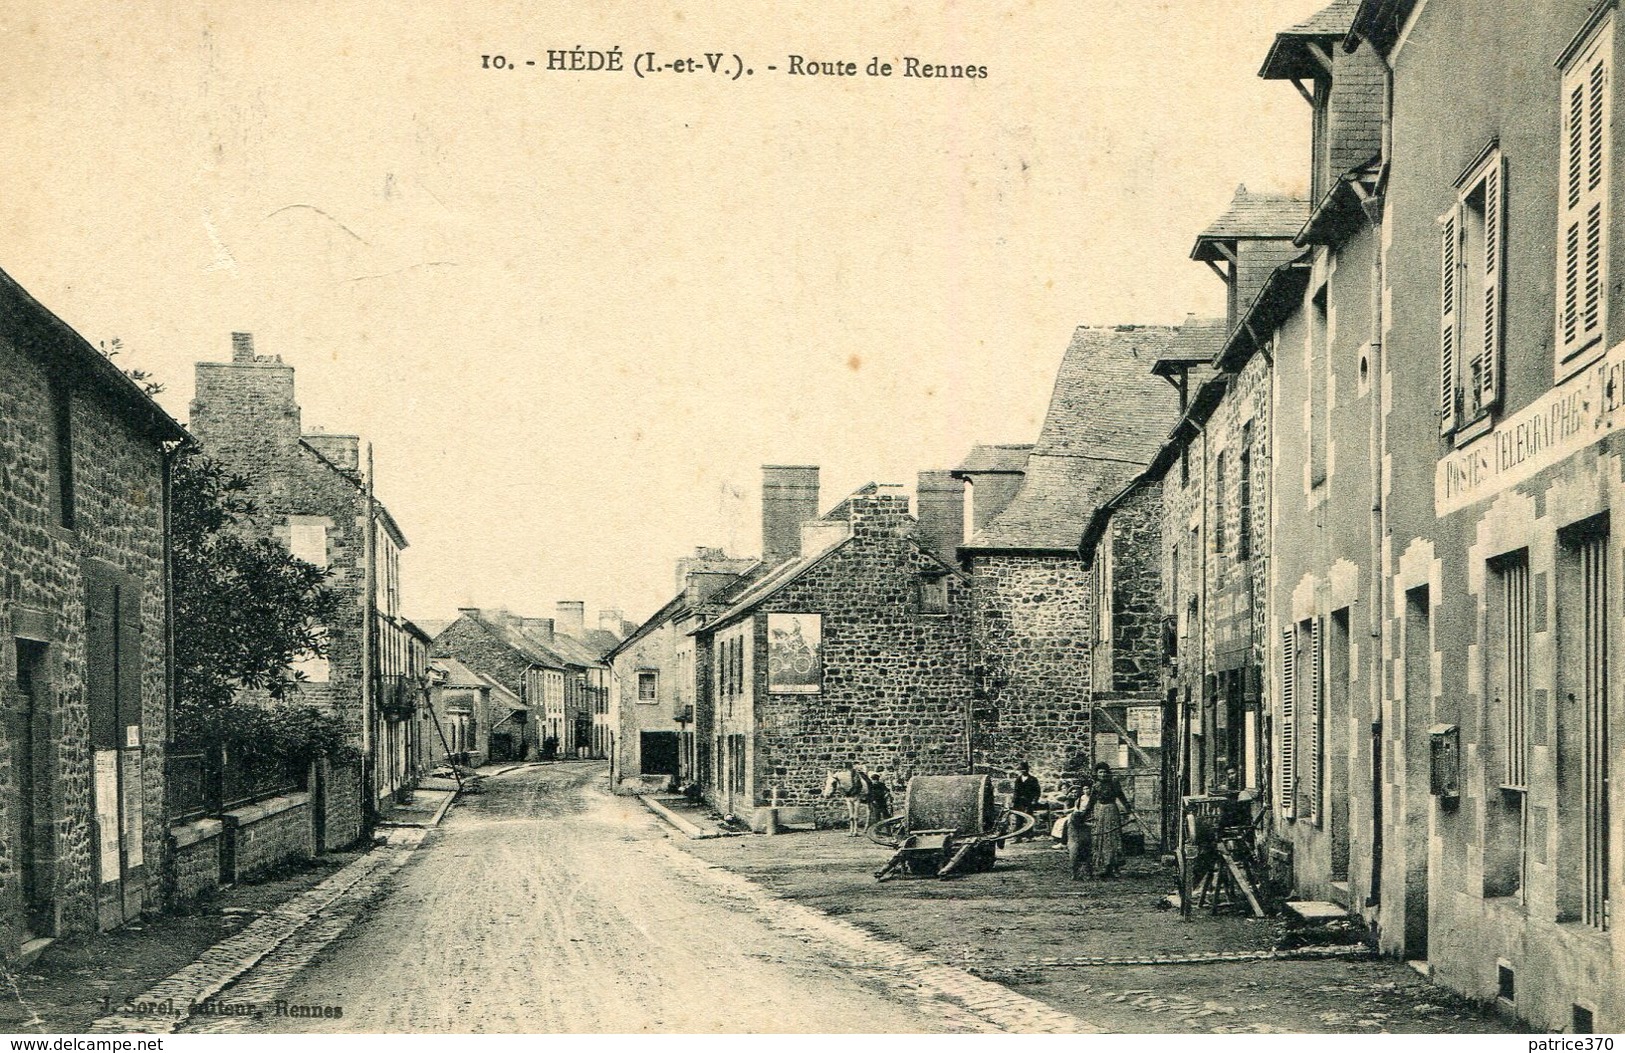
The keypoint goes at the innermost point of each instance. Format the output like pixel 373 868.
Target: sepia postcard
pixel 856 518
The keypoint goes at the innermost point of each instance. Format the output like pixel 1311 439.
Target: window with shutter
pixel 1287 769
pixel 1448 282
pixel 1582 232
pixel 101 656
pixel 1471 263
pixel 1316 722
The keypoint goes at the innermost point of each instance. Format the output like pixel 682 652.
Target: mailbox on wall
pixel 1446 758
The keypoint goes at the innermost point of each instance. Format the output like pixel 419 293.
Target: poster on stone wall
pixel 1145 724
pixel 795 655
pixel 106 791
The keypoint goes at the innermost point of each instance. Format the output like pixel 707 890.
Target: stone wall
pixel 195 860
pixel 118 495
pixel 1031 629
pixel 266 835
pixel 897 683
pixel 344 818
pixel 1134 650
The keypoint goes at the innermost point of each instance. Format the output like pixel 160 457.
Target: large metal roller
pixel 961 803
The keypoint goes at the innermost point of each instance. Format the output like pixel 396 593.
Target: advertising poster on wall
pixel 795 655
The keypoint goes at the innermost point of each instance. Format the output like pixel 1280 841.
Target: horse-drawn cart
pixel 950 824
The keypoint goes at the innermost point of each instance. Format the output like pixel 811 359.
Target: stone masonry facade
pixel 117 485
pixel 897 689
pixel 1032 631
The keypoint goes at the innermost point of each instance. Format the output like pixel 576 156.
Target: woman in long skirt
pixel 1106 814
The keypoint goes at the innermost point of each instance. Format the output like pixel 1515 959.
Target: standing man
pixel 1025 793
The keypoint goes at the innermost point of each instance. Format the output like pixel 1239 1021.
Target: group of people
pixel 1092 827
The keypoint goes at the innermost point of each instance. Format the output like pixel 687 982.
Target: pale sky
pixel 573 311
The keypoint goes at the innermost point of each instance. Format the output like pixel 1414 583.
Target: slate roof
pixel 1251 215
pixel 1289 58
pixel 36 331
pixel 600 641
pixel 1195 342
pixel 1107 418
pixel 528 646
pixel 573 651
pixel 460 675
pixel 995 459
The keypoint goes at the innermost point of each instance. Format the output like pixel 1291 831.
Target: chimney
pixel 541 628
pixel 701 585
pixel 609 620
pixel 789 498
pixel 243 411
pixel 885 511
pixel 940 509
pixel 472 612
pixel 570 617
pixel 342 450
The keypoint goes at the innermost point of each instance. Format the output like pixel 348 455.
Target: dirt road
pixel 546 905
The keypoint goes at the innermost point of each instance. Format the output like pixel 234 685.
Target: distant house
pixel 1035 617
pixel 315 494
pixel 84 456
pixel 514 652
pixel 652 686
pixel 849 647
pixel 481 721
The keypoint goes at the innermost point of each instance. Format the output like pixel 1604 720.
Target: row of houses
pixel 103 815
pixel 1345 552
pixel 516 688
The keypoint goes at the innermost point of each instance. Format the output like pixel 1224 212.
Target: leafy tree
pixel 245 611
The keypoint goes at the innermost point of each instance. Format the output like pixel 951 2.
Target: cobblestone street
pixel 588 918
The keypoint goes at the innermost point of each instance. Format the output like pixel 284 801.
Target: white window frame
pixel 1472 330
pixel 1583 213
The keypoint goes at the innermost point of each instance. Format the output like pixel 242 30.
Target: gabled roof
pixel 459 675
pixel 655 621
pixel 501 693
pixel 36 331
pixel 522 643
pixel 1106 417
pixel 573 651
pixel 600 641
pixel 754 588
pixel 1289 57
pixel 994 459
pixel 1195 343
pixel 1250 217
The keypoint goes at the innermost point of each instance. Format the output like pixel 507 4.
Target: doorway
pixel 657 752
pixel 29 732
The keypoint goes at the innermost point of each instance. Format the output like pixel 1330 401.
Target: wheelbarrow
pixel 949 825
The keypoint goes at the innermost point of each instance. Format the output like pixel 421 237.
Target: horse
pixel 866 798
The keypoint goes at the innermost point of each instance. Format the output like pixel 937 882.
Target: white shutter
pixel 1317 717
pixel 1582 241
pixel 1449 286
pixel 1288 736
pixel 1489 385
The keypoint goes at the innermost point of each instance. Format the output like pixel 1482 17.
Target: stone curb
pixel 682 825
pixel 225 962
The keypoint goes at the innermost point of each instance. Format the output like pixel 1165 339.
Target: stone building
pixel 1031 606
pixel 652 691
pixel 1495 801
pixel 850 648
pixel 992 474
pixel 1316 322
pixel 84 673
pixel 1137 716
pixel 481 721
pixel 315 494
pixel 517 653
